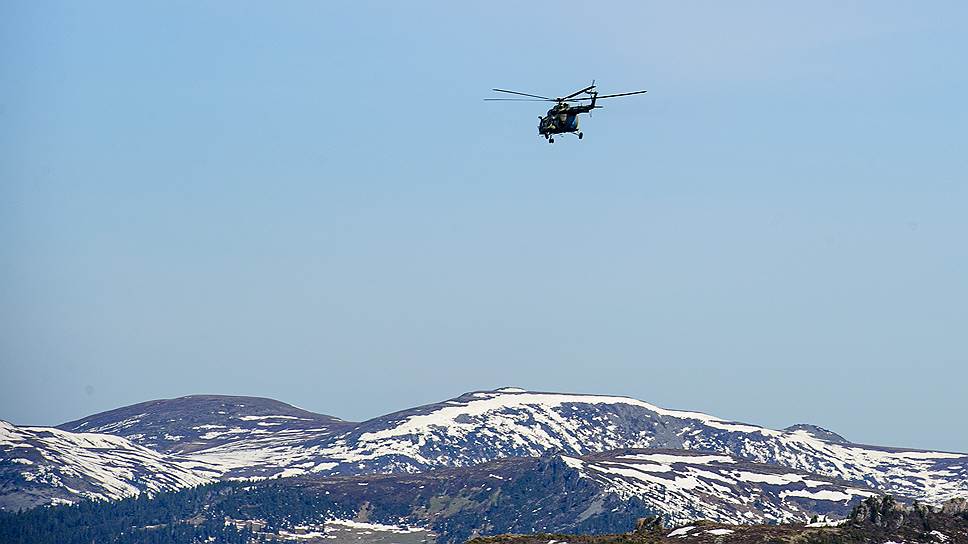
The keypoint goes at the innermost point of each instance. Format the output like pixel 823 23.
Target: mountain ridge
pixel 230 437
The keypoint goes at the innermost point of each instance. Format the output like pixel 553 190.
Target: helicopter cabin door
pixel 567 122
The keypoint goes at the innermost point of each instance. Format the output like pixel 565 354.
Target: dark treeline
pixel 545 496
pixel 187 516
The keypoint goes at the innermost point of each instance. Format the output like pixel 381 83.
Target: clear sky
pixel 310 201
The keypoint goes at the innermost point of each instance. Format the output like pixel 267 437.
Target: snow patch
pixel 682 531
pixel 402 529
pixel 820 495
pixel 827 523
pixel 258 418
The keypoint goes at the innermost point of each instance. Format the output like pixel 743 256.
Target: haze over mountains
pixel 608 455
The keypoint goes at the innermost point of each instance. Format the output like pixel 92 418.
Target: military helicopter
pixel 563 117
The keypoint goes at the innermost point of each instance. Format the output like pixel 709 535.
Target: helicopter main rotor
pixel 593 95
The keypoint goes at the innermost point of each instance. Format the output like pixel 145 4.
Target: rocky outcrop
pixel 882 512
pixel 883 519
pixel 958 505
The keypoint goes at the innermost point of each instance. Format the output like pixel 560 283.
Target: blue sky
pixel 310 201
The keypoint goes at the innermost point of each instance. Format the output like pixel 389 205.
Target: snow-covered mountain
pixel 484 425
pixel 562 493
pixel 240 437
pixel 555 493
pixel 198 422
pixel 44 465
pixel 691 485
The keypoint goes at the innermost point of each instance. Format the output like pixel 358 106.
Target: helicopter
pixel 562 118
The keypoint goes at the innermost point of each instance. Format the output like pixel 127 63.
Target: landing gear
pixel 551 140
pixel 580 135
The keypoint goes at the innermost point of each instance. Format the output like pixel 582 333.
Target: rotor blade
pixel 614 95
pixel 518 100
pixel 576 93
pixel 522 94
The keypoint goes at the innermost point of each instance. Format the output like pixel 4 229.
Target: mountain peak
pixel 194 422
pixel 817 432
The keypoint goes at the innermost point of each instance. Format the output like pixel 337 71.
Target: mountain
pixel 43 465
pixel 593 493
pixel 198 422
pixel 555 493
pixel 683 486
pixel 485 425
pixel 246 438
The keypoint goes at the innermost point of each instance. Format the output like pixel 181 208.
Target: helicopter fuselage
pixel 562 118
